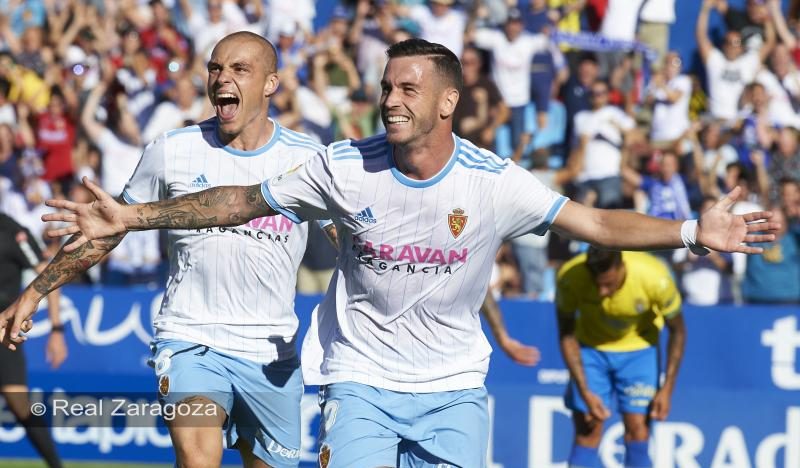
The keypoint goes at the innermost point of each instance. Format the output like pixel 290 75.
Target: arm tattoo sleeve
pixel 66 266
pixel 218 206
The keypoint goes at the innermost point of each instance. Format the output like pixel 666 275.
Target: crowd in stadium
pixel 584 93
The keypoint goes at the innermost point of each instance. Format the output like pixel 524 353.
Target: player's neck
pixel 423 160
pixel 252 137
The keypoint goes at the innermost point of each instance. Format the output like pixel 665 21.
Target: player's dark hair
pixel 445 61
pixel 600 261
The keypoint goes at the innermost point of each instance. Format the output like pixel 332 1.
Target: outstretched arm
pixel 218 206
pixel 717 229
pixel 61 270
pixel 520 353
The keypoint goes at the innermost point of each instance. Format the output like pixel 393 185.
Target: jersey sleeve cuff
pixel 555 208
pixel 277 206
pixel 129 199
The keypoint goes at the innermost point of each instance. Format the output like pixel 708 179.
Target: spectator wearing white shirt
pixel 730 70
pixel 654 22
pixel 669 93
pixel 441 23
pixel 512 52
pixel 619 22
pixel 184 105
pixel 222 18
pixel 603 131
pixel 782 83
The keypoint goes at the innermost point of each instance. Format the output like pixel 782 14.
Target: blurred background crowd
pixel 584 93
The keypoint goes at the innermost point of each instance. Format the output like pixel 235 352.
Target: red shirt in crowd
pixel 55 136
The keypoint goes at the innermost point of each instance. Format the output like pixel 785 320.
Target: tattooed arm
pixel 219 206
pixel 61 270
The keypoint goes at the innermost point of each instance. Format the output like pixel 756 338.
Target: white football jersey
pixel 229 288
pixel 401 312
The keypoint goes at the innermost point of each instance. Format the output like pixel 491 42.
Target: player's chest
pixel 419 222
pixel 189 174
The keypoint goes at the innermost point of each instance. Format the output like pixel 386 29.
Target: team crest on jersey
pixel 163 385
pixel 457 221
pixel 324 455
pixel 639 306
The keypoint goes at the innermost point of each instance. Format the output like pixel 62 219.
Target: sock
pixel 636 455
pixel 583 457
pixel 39 434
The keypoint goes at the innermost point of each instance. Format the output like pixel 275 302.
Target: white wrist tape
pixel 689 237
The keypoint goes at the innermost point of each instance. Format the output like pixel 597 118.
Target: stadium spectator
pixel 729 71
pixel 750 23
pixel 220 19
pixel 370 32
pixel 182 107
pixel 781 82
pixel 481 110
pixel 774 276
pixel 669 92
pixel 611 307
pixel 55 136
pixel 666 192
pixel 512 51
pixel 604 132
pixel 577 95
pixel 619 22
pixel 784 162
pixel 790 201
pixel 655 20
pixel 717 153
pixel 439 22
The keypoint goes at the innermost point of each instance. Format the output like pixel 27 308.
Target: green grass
pixel 6 463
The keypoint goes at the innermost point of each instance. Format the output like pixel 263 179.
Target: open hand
pixel 720 230
pixel 101 218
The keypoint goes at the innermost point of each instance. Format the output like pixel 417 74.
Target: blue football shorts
pixel 262 401
pixel 630 376
pixel 367 427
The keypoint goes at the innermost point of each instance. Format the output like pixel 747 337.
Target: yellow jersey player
pixel 611 308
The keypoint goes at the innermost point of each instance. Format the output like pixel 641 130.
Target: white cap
pixel 74 56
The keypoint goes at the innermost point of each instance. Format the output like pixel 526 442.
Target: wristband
pixel 57 328
pixel 689 237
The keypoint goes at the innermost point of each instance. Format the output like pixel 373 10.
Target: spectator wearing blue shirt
pixel 774 276
pixel 666 192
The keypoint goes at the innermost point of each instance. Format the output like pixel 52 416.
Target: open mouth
pixel 226 105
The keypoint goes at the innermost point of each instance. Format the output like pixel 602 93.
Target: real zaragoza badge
pixel 457 221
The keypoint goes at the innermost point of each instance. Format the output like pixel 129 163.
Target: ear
pixel 448 102
pixel 271 86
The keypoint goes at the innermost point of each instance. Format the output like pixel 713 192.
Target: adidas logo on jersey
pixel 200 182
pixel 365 216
